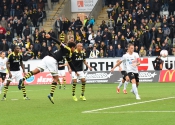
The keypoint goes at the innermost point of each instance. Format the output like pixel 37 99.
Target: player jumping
pixel 78 58
pixel 132 60
pixel 51 63
pixel 3 61
pixel 125 79
pixel 13 66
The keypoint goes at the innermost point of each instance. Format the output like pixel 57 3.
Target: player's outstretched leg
pixel 53 87
pixel 82 97
pixel 21 81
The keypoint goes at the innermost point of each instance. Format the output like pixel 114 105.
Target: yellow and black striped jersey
pixel 77 59
pixel 14 61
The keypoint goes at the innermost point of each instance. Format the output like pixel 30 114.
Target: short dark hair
pixel 71 44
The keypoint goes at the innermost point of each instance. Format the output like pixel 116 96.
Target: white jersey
pixel 130 60
pixel 124 66
pixel 3 65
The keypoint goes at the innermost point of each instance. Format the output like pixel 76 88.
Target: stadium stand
pixel 148 24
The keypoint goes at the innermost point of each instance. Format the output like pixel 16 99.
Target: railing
pixel 97 9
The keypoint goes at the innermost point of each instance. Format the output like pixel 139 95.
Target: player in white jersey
pixel 125 79
pixel 132 61
pixel 3 61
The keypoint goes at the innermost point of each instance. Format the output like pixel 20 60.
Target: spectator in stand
pixel 91 22
pixel 38 55
pixel 110 52
pixel 166 31
pixel 12 8
pixel 62 37
pixel 29 55
pixel 5 12
pixel 42 38
pixel 29 24
pixel 94 53
pixel 4 46
pixel 156 7
pixel 78 23
pixel 103 25
pixel 40 17
pixel 19 29
pixel 24 19
pixel 27 43
pixel 44 50
pixel 157 51
pixel 109 10
pixel 41 5
pixel 2 33
pixel 150 52
pixel 92 37
pixel 54 48
pixel 69 36
pixel 18 12
pixel 142 52
pixel 58 25
pixel 101 54
pixel 98 38
pixel 20 43
pixel 26 31
pixel 3 22
pixel 119 51
pixel 106 36
pixel 35 17
pixel 52 34
pixel 136 49
pixel 111 24
pixel 78 38
pixel 172 51
pixel 36 47
pixel 9 38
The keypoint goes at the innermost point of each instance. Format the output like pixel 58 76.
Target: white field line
pixel 125 105
pixel 124 112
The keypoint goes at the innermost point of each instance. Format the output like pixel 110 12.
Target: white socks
pixel 134 88
pixel 125 85
pixel 120 84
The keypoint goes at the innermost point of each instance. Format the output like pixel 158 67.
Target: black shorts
pixel 124 74
pixel 133 76
pixel 2 75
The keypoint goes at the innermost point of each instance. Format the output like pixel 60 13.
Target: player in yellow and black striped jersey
pixel 13 66
pixel 78 59
pixel 51 63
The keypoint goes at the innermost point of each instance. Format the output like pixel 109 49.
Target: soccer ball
pixel 164 53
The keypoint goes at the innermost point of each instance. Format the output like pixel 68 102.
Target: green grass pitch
pixel 103 106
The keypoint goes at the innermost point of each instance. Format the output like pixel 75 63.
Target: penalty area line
pixel 125 105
